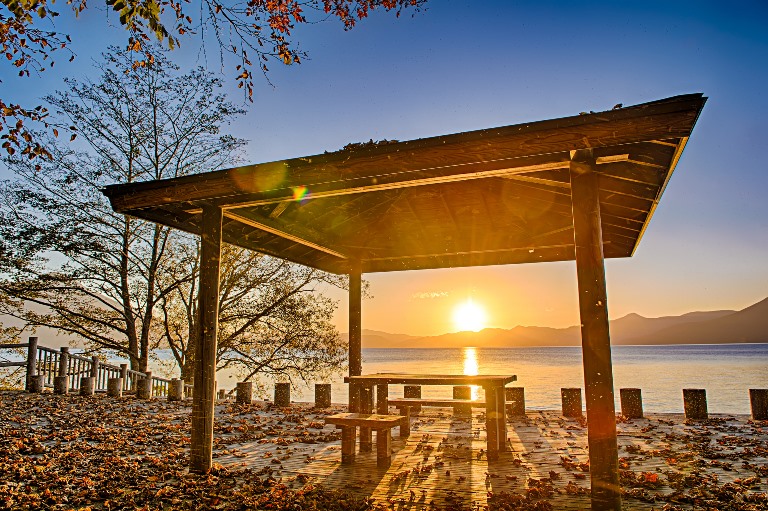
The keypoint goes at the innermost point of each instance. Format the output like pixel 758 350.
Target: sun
pixel 469 316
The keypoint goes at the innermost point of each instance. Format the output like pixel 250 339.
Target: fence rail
pixel 50 364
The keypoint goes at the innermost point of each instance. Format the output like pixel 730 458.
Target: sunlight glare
pixel 468 316
pixel 470 369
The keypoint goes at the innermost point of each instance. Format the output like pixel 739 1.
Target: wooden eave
pixel 493 196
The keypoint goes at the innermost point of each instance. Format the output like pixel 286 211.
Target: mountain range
pixel 749 325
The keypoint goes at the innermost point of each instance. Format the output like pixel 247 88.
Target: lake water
pixel 726 371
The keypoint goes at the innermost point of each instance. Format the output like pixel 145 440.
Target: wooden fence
pixel 49 363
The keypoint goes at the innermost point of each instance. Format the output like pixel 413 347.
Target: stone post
pixel 282 394
pixel 144 387
pixel 87 385
pixel 244 393
pixel 631 403
pixel 515 398
pixel 322 395
pixel 571 402
pixel 61 381
pixel 695 404
pixel 176 390
pixel 37 383
pixel 758 400
pixel 115 387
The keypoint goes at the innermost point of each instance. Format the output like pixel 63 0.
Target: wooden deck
pixel 443 460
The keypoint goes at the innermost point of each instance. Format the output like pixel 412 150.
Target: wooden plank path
pixel 663 458
pixel 443 460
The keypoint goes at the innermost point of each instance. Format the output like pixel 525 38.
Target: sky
pixel 463 65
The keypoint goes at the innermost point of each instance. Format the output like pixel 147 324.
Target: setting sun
pixel 469 316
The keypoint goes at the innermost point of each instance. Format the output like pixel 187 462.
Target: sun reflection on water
pixel 471 368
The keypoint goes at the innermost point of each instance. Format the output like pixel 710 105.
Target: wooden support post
pixel 382 399
pixel 572 404
pixel 176 390
pixel 348 438
pixel 115 387
pixel 383 448
pixel 695 404
pixel 282 394
pixel 405 426
pixel 631 403
pixel 501 418
pixel 366 406
pixel 758 400
pixel 595 335
pixel 515 401
pixel 322 395
pixel 355 331
pixel 491 424
pixel 244 393
pixel 31 363
pixel 95 362
pixel 203 398
pixel 462 392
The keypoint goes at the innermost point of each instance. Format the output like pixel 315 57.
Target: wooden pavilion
pixel 577 188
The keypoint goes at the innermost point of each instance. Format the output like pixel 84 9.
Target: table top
pixel 433 379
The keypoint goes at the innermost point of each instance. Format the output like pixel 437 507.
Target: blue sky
pixel 464 65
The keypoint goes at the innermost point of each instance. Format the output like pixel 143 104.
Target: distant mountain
pixel 705 327
pixel 749 325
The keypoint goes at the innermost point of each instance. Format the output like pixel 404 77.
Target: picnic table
pixel 361 398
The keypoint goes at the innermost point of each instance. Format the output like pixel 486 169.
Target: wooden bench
pixel 406 404
pixel 382 424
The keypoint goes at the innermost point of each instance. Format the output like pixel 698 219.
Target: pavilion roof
pixel 492 196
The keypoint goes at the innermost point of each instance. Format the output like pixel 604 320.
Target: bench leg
pixel 348 438
pixel 405 426
pixel 383 448
pixel 491 424
pixel 366 406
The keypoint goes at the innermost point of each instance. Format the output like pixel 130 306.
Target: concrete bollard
pixel 282 394
pixel 571 402
pixel 37 383
pixel 412 391
pixel 515 399
pixel 631 403
pixel 115 387
pixel 61 385
pixel 176 390
pixel 144 387
pixel 758 399
pixel 87 385
pixel 695 404
pixel 462 392
pixel 322 395
pixel 244 393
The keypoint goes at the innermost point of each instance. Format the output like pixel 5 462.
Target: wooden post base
pixel 87 385
pixel 695 404
pixel 631 403
pixel 176 390
pixel 405 426
pixel 571 402
pixel 282 395
pixel 322 395
pixel 37 383
pixel 758 399
pixel 515 401
pixel 61 385
pixel 244 393
pixel 115 387
pixel 348 440
pixel 383 448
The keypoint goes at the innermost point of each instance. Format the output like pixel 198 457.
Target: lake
pixel 726 371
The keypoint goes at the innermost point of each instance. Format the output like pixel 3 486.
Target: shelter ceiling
pixel 495 196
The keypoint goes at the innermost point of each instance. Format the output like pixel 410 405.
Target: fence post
pixel 95 362
pixel 124 376
pixel 31 362
pixel 115 387
pixel 61 381
pixel 144 386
